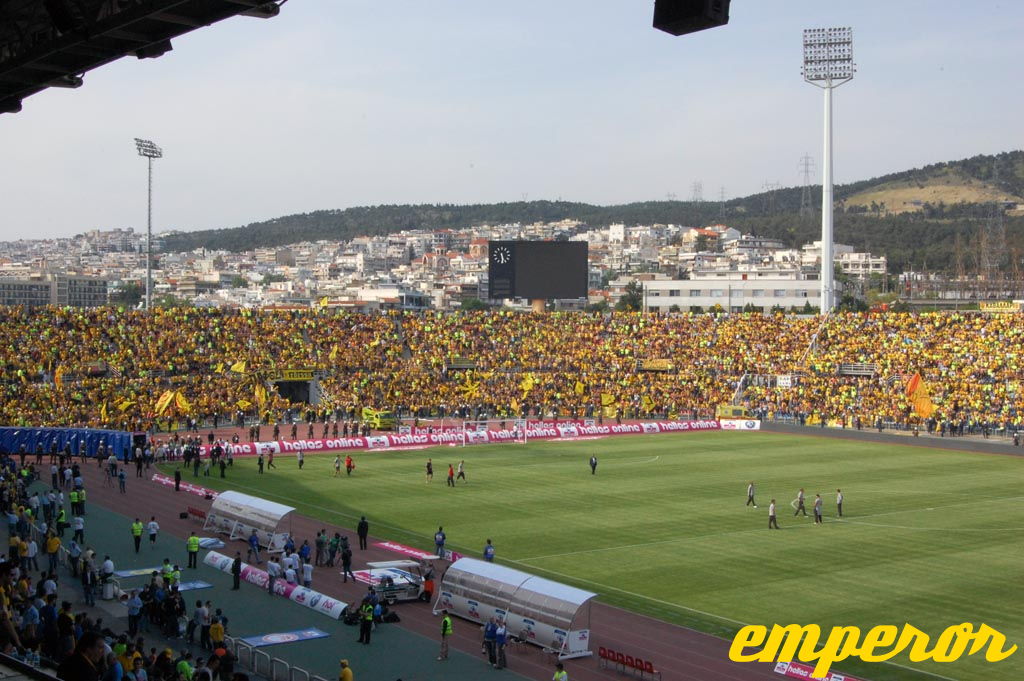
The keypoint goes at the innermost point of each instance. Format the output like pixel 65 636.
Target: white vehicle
pixel 403 580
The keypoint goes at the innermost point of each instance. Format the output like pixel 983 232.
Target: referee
pixel 772 522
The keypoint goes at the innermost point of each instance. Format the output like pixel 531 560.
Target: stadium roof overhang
pixel 52 43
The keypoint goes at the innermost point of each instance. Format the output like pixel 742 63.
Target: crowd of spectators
pixel 111 365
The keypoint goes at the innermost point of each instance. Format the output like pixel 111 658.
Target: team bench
pixel 606 657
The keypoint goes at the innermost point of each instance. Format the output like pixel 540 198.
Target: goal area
pixel 516 429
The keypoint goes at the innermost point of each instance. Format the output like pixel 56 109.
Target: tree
pixel 129 295
pixel 238 281
pixel 473 304
pixel 273 278
pixel 632 299
pixel 700 244
pixel 600 306
pixel 674 308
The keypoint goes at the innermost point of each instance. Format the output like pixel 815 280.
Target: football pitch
pixel 930 537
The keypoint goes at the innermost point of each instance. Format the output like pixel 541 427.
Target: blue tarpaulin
pixel 11 439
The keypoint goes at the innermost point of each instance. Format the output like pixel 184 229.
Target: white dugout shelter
pixel 536 610
pixel 237 515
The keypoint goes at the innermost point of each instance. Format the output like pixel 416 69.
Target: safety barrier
pixel 260 663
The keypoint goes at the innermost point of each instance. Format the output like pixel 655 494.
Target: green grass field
pixel 931 537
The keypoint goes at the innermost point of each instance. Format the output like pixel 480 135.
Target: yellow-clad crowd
pixel 108 367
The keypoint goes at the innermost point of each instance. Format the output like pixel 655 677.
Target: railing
pixel 262 664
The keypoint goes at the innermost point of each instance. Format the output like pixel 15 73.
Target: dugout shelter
pixel 237 515
pixel 545 613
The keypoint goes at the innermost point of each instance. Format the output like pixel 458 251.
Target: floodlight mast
pixel 150 151
pixel 828 63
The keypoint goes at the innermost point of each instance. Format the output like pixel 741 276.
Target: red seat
pixel 649 669
pixel 620 658
pixel 602 653
pixel 630 662
pixel 638 664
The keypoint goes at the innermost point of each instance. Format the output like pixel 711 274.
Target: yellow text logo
pixel 785 642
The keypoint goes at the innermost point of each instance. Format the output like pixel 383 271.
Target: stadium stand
pixel 557 365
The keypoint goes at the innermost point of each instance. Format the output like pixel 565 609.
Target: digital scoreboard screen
pixel 537 269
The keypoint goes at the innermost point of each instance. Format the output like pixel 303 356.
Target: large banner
pixel 534 431
pixel 315 600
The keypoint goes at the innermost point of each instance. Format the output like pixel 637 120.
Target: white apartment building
pixel 763 289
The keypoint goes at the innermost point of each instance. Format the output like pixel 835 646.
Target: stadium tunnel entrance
pixel 306 392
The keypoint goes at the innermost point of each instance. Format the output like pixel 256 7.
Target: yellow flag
pixel 123 405
pixel 163 402
pixel 220 368
pixel 243 404
pixel 607 399
pixel 647 403
pixel 239 367
pixel 514 404
pixel 334 353
pixel 923 405
pixel 526 385
pixel 58 377
pixel 103 412
pixel 323 302
pixel 260 393
pixel 181 402
pixel 580 388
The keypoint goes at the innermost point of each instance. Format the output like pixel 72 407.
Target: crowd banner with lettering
pixel 535 430
pixel 325 605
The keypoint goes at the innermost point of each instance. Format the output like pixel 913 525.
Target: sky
pixel 340 103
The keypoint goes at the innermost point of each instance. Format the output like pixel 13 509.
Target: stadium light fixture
pixel 149 150
pixel 828 63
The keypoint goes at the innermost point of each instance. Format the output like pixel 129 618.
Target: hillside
pixel 924 209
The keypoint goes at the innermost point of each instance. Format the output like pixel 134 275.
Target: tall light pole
pixel 828 63
pixel 150 151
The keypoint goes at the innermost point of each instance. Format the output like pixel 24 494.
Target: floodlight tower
pixel 828 63
pixel 150 151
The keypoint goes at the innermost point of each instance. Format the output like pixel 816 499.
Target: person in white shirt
pixel 772 522
pixel 153 528
pixel 800 503
pixel 839 502
pixel 107 569
pixel 273 572
pixel 750 495
pixel 290 576
pixel 32 557
pixel 817 509
pixel 307 575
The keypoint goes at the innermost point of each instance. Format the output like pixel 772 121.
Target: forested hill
pixel 923 236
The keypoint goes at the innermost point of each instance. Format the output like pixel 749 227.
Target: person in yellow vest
pixel 446 632
pixel 137 533
pixel 62 521
pixel 175 578
pixel 81 501
pixel 193 550
pixel 166 571
pixel 560 673
pixel 73 498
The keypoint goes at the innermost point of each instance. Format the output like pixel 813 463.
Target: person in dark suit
pixel 236 571
pixel 363 530
pixel 593 465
